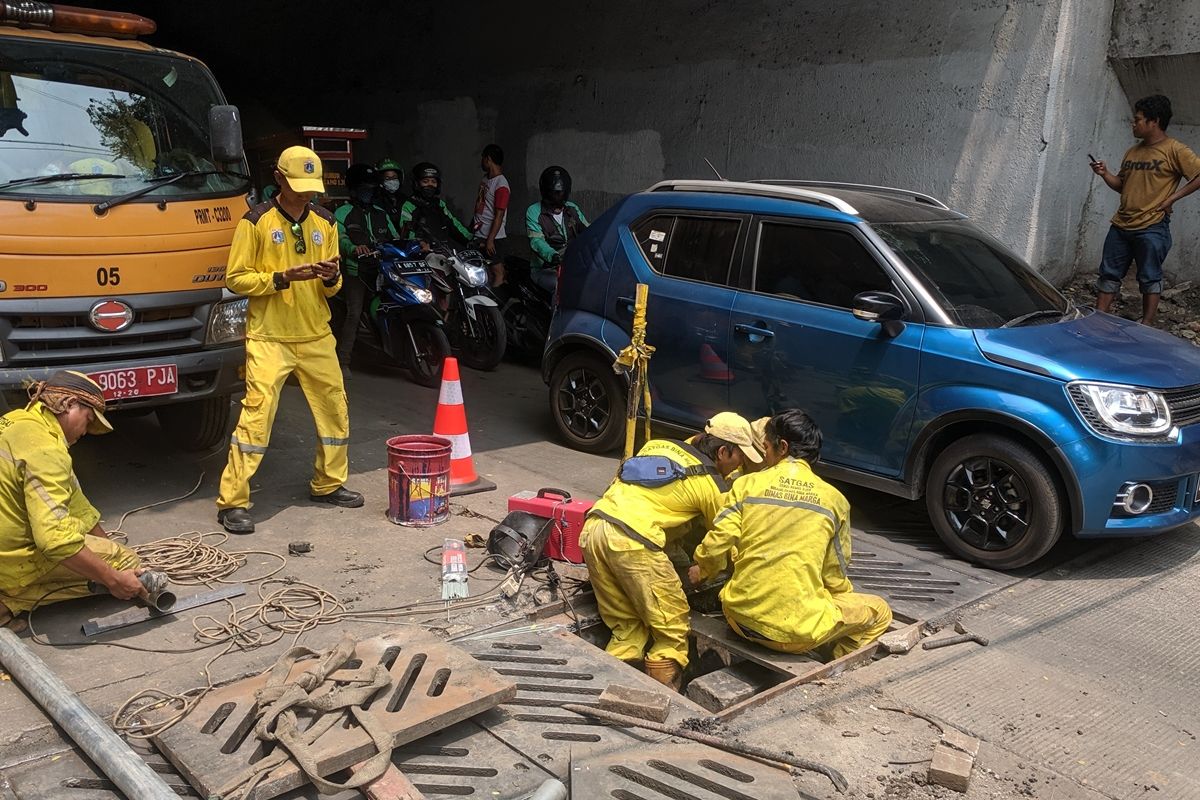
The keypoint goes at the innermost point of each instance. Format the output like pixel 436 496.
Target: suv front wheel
pixel 587 401
pixel 992 501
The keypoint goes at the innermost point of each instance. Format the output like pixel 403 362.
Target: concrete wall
pixel 990 105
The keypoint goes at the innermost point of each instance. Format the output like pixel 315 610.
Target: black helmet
pixel 426 170
pixel 359 174
pixel 555 185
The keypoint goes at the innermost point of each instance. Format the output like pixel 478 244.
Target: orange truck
pixel 122 177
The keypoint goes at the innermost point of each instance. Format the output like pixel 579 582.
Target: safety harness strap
pixel 626 529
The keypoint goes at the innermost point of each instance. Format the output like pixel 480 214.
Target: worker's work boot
pixel 665 671
pixel 340 496
pixel 235 520
pixel 13 623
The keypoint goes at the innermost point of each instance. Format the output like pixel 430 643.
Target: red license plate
pixel 121 384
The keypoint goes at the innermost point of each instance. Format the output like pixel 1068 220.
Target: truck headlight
pixel 228 322
pixel 1110 408
pixel 476 276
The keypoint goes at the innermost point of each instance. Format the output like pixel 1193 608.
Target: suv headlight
pixel 1128 411
pixel 228 322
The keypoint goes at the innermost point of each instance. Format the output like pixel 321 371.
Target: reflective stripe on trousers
pixel 268 365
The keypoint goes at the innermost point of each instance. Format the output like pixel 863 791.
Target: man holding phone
pixel 284 258
pixel 1148 182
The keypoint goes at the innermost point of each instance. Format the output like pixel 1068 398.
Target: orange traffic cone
pixel 712 368
pixel 451 423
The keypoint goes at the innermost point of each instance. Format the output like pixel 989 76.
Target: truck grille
pixel 44 332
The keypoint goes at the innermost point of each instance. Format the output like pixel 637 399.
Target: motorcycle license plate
pixel 121 384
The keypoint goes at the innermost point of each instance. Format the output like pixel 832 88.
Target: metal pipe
pixel 550 789
pixel 119 763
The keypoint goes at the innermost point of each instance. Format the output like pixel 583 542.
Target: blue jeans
pixel 1148 247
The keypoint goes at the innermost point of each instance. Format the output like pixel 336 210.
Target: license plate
pixel 121 384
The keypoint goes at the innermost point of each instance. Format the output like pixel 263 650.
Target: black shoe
pixel 340 496
pixel 235 520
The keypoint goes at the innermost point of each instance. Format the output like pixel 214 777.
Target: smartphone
pixel 1091 158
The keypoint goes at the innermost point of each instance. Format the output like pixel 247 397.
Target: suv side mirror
pixel 225 133
pixel 882 307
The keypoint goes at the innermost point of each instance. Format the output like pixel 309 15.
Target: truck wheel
pixel 587 402
pixel 196 424
pixel 993 502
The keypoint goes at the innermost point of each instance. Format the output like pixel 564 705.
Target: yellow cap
pixel 759 429
pixel 301 168
pixel 735 429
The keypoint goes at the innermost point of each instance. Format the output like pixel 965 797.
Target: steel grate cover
pixel 676 771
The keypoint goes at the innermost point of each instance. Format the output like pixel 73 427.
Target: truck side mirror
pixel 225 133
pixel 883 307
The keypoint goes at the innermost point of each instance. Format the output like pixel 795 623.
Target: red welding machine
pixel 568 516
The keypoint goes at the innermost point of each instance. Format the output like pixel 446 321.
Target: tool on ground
pixel 518 540
pixel 158 596
pixel 299 548
pixel 635 360
pixel 114 758
pixel 726 745
pixel 567 513
pixel 454 570
pixel 450 422
pixel 132 616
pixel 964 636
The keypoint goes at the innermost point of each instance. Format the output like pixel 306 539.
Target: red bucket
pixel 418 480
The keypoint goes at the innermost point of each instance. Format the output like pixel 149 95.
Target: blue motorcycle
pixel 401 324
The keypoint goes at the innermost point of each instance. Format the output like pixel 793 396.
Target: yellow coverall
pixel 44 516
pixel 287 330
pixel 786 533
pixel 637 589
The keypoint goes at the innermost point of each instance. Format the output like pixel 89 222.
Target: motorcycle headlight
pixel 228 322
pixel 424 295
pixel 477 276
pixel 1126 411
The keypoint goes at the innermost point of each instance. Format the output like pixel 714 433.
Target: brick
pixel 950 768
pixel 726 687
pixel 639 703
pixel 902 640
pixel 961 741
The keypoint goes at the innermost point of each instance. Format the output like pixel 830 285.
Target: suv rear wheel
pixel 587 402
pixel 992 501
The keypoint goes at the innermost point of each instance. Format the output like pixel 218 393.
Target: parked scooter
pixel 527 309
pixel 473 320
pixel 401 323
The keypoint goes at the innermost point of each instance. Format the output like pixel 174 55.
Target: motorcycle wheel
pixel 526 334
pixel 426 362
pixel 484 351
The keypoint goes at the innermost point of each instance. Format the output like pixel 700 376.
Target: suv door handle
pixel 752 330
pixel 628 303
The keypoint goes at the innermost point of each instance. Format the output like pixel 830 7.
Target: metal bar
pixel 133 616
pixel 122 766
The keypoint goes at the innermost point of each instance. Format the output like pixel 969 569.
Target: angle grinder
pixel 159 597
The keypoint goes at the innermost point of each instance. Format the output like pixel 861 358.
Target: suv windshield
pixel 978 282
pixel 99 122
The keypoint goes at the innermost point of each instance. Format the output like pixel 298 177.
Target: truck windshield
pixel 978 282
pixel 81 121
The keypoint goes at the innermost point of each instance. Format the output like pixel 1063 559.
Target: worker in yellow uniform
pixel 51 542
pixel 786 534
pixel 638 592
pixel 284 258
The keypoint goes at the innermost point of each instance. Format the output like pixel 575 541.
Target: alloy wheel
pixel 987 503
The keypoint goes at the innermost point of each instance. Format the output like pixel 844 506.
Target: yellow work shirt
pixel 649 512
pixel 1151 172
pixel 43 512
pixel 781 529
pixel 264 244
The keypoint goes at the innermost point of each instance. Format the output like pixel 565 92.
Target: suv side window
pixel 819 265
pixel 695 248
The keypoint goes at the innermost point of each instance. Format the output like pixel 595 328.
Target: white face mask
pixel 391 186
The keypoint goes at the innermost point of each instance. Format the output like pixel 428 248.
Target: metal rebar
pixel 727 745
pixel 114 758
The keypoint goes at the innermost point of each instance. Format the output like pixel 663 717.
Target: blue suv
pixel 936 362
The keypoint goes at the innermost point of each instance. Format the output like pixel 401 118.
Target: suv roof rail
pixel 920 197
pixel 758 189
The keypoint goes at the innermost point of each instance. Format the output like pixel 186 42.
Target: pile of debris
pixel 1178 311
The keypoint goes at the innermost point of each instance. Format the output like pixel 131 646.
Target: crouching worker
pixel 637 589
pixel 51 542
pixel 786 534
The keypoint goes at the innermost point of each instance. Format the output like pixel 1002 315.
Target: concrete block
pixel 961 741
pixel 719 690
pixel 951 768
pixel 639 703
pixel 902 640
